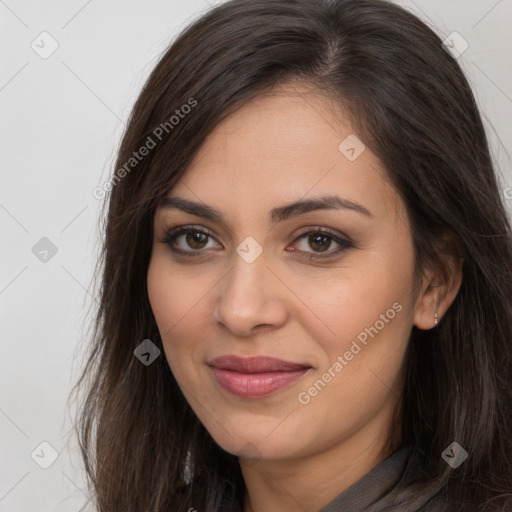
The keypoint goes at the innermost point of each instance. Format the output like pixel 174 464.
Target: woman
pixel 306 281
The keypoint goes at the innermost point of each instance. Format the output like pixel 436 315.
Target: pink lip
pixel 253 377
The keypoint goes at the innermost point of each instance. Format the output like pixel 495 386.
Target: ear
pixel 439 286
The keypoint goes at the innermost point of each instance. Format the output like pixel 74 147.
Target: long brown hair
pixel 413 107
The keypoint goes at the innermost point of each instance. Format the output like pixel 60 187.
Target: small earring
pixel 435 319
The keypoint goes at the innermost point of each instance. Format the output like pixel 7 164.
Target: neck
pixel 312 481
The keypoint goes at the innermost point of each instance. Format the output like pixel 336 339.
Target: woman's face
pixel 249 283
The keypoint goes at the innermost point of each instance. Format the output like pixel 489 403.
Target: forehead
pixel 286 144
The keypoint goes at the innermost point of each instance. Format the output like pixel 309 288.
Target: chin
pixel 256 443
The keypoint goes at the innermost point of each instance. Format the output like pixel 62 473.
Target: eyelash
pixel 173 234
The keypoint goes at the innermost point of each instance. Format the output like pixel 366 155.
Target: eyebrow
pixel 278 214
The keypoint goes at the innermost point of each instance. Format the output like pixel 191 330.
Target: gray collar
pixel 382 489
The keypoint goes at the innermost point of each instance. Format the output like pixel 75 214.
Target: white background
pixel 62 118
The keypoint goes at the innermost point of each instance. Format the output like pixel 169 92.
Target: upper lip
pixel 255 364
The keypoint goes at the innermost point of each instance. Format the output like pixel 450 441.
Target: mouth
pixel 255 377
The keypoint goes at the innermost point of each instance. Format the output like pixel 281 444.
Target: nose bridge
pixel 249 295
pixel 247 280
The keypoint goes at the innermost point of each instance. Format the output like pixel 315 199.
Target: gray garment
pixel 389 487
pixel 377 491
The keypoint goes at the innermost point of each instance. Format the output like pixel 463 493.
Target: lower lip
pixel 255 385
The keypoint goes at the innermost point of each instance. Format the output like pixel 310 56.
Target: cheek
pixel 363 301
pixel 364 355
pixel 168 306
pixel 162 297
pixel 367 313
pixel 363 393
pixel 361 371
pixel 174 296
pixel 178 300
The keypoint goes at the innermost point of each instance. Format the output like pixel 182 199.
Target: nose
pixel 250 298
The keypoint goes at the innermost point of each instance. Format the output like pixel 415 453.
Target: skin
pixel 278 148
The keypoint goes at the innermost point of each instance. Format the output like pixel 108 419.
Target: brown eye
pixel 196 239
pixel 317 241
pixel 188 241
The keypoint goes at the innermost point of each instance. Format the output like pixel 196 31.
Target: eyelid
pixel 315 228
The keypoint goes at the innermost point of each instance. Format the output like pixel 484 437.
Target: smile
pixel 255 377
